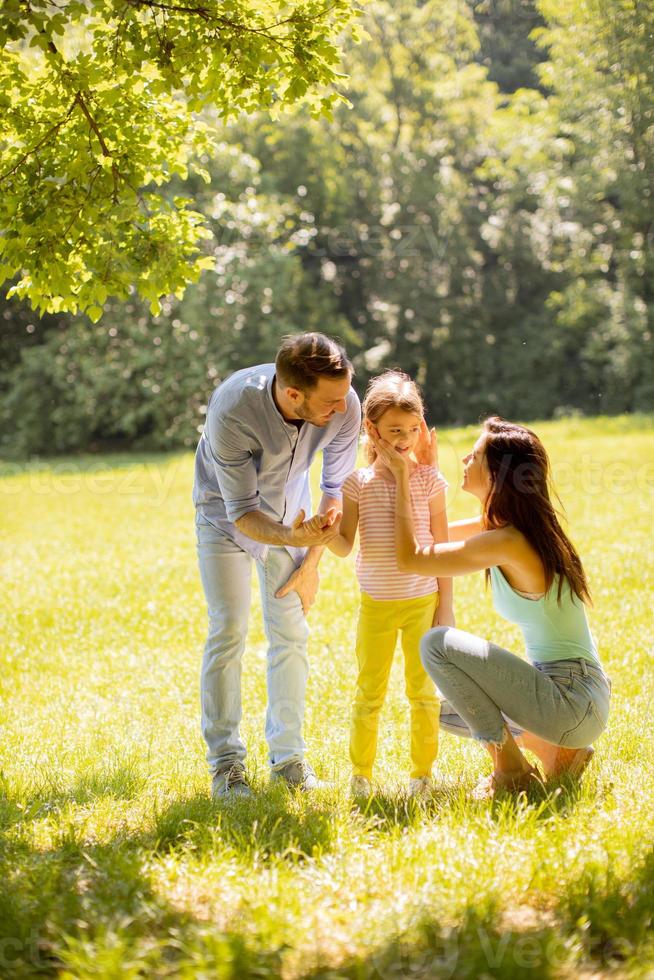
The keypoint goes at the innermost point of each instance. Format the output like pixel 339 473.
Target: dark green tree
pixel 601 73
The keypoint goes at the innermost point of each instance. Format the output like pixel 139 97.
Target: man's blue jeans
pixel 226 575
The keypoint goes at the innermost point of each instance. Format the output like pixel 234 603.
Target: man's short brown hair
pixel 304 358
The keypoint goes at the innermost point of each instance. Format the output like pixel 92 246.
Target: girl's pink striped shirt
pixel 376 563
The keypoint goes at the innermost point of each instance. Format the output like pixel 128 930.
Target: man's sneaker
pixel 299 775
pixel 360 786
pixel 421 787
pixel 230 781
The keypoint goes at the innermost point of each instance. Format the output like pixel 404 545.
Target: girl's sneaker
pixel 422 787
pixel 360 786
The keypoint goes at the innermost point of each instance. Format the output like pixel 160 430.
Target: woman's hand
pixel 396 462
pixel 445 616
pixel 426 450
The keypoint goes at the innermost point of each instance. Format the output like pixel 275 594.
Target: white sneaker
pixel 360 786
pixel 422 787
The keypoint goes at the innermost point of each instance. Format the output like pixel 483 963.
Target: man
pixel 264 426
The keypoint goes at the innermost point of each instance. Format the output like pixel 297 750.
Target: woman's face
pixel 400 428
pixel 476 475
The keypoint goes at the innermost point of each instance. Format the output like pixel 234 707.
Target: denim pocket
pixel 561 676
pixel 577 729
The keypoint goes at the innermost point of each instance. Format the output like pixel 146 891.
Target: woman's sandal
pixel 501 782
pixel 575 765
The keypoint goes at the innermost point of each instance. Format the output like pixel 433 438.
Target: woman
pixel 557 701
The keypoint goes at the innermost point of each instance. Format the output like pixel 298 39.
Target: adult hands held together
pixel 315 532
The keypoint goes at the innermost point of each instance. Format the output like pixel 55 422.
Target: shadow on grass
pixel 274 821
pixel 95 910
pixel 92 907
pixel 477 947
pixel 614 913
pixel 388 811
pixel 272 824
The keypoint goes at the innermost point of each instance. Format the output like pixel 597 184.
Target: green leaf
pixel 94 313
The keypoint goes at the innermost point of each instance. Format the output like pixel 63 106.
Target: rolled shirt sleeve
pixel 235 469
pixel 340 455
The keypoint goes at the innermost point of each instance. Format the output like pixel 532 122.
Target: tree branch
pixel 79 100
pixel 211 18
pixel 51 132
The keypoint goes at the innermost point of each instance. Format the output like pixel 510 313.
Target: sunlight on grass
pixel 116 863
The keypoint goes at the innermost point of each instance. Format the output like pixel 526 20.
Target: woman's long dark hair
pixel 520 496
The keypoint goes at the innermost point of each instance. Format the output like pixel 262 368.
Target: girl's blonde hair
pixel 392 389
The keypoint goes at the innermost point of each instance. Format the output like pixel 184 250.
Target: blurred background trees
pixel 482 216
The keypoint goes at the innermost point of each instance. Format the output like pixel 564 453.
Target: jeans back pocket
pixel 561 676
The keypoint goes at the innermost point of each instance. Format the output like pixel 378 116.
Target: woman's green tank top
pixel 551 631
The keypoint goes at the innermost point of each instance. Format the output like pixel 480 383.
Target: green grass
pixel 114 861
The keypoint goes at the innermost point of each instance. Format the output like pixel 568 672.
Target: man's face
pixel 321 404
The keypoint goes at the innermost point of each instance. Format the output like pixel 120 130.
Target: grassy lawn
pixel 115 863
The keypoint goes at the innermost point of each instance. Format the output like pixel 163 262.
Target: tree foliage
pixel 495 245
pixel 102 104
pixel 600 71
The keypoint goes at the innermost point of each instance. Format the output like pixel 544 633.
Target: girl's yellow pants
pixel 380 621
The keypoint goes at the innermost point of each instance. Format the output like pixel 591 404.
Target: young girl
pixel 393 602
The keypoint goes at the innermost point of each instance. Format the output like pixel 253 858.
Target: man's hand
pixel 317 531
pixel 426 450
pixel 304 581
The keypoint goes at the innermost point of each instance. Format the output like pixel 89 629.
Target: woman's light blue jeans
pixel 226 576
pixel 486 687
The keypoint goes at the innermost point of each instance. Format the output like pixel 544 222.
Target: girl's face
pixel 476 475
pixel 400 428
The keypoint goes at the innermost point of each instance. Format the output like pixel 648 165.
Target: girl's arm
pixel 343 543
pixel 439 532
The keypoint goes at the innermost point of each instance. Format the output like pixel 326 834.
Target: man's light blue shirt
pixel 250 458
